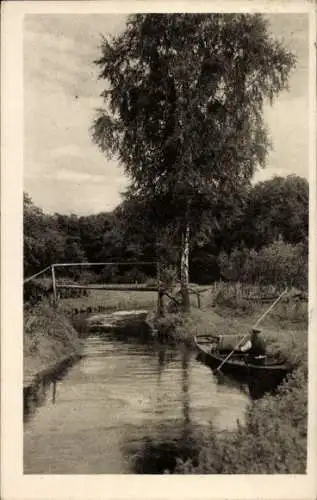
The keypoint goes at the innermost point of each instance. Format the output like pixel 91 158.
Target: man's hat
pixel 256 330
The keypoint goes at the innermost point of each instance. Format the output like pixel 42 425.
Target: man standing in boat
pixel 255 348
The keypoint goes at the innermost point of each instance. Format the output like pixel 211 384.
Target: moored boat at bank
pixel 261 378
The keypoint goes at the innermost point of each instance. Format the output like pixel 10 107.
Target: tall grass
pixel 234 299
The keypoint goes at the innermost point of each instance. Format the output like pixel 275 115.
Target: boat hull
pixel 259 378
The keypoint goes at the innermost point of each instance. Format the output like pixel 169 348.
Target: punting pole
pixel 256 324
pixel 230 353
pixel 271 307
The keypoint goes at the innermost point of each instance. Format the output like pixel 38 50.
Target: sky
pixel 64 171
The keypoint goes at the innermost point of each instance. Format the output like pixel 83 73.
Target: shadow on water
pixel 34 396
pixel 226 380
pixel 44 387
pixel 159 455
pixel 243 383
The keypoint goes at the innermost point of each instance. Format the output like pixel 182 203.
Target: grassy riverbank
pixel 226 313
pixel 48 337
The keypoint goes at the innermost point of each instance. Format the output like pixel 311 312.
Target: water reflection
pixel 185 385
pixel 225 380
pixel 133 406
pixel 161 363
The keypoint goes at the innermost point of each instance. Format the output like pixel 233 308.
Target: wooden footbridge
pixel 161 288
pixel 157 285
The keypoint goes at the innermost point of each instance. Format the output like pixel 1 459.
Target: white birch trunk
pixel 184 269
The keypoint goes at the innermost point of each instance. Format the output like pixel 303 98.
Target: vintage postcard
pixel 158 250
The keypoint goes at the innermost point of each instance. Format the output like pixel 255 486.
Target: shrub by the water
pixel 36 290
pixel 280 263
pixel 173 327
pixel 40 289
pixel 272 441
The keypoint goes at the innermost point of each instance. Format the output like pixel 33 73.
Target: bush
pixel 173 327
pixel 272 441
pixel 37 290
pixel 85 276
pixel 184 327
pixel 168 276
pixel 133 275
pixel 280 263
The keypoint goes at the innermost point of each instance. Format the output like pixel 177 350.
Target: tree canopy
pixel 184 110
pixel 184 102
pixel 274 208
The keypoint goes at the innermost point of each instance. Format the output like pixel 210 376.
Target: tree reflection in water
pixel 159 455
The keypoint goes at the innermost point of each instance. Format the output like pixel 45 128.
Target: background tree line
pixel 258 236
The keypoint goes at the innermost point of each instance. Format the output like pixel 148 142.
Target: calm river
pixel 128 406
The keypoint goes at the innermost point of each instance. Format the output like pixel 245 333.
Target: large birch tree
pixel 183 111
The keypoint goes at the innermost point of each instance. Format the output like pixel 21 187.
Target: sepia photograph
pixel 165 236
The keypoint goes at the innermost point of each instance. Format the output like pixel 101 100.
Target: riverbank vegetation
pixel 262 269
pixel 267 443
pixel 286 339
pixel 271 249
pixel 48 338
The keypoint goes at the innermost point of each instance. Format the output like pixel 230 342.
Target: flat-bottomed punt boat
pixel 260 378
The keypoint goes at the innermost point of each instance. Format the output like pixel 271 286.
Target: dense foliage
pixel 238 248
pixel 277 207
pixel 279 263
pixel 183 112
pixel 49 239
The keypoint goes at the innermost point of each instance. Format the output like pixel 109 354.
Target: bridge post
pixel 198 300
pixel 54 285
pixel 160 303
